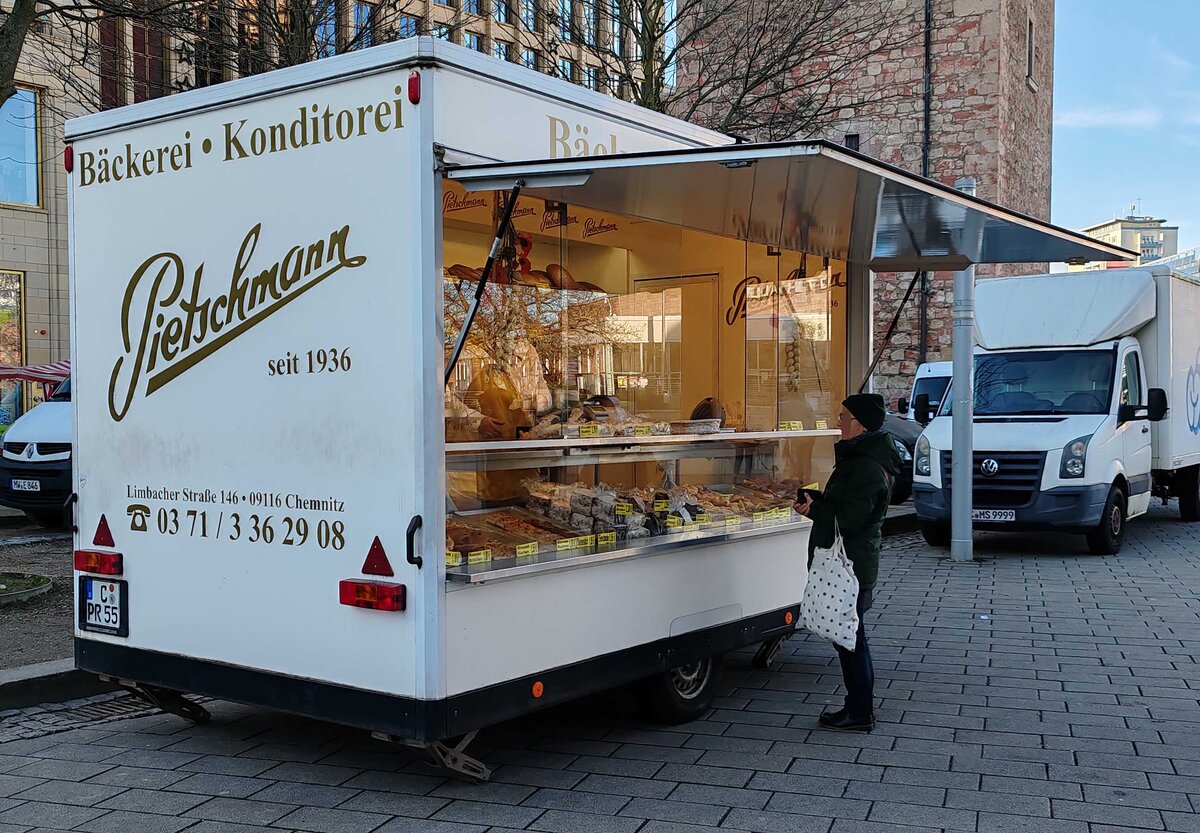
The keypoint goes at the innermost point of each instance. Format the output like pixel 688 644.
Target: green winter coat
pixel 858 494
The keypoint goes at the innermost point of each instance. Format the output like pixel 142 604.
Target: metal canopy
pixel 813 197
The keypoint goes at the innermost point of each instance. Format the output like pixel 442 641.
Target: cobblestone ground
pixel 1029 692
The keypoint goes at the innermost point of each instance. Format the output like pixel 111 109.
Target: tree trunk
pixel 12 39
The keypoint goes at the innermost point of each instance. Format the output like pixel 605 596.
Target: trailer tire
pixel 680 695
pixel 935 534
pixel 1188 491
pixel 1109 534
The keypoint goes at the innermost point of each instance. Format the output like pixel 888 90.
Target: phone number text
pixel 254 528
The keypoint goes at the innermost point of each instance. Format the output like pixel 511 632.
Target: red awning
pixel 45 373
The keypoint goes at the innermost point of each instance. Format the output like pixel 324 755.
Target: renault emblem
pixel 29 451
pixel 989 467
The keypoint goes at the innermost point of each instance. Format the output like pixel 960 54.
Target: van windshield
pixel 935 387
pixel 62 393
pixel 1044 382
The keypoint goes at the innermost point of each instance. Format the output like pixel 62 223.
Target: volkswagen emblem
pixel 989 467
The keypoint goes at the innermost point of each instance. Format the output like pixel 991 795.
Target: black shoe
pixel 842 721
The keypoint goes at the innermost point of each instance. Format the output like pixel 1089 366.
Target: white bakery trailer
pixel 280 501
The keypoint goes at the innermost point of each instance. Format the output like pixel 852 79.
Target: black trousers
pixel 857 672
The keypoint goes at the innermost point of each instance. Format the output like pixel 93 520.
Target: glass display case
pixel 628 386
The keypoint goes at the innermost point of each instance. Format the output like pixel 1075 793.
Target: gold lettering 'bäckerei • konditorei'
pixel 175 330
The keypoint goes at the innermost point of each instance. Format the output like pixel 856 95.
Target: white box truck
pixel 1087 406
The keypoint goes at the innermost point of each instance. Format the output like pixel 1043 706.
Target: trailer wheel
pixel 1188 490
pixel 1107 537
pixel 935 534
pixel 680 695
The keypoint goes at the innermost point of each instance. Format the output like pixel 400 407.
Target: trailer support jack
pixel 171 702
pixel 453 759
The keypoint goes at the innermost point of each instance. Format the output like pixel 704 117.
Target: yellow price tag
pixel 641 430
pixel 527 549
pixel 822 425
pixel 662 506
pixel 623 508
pixel 586 541
pixel 733 523
pixel 479 557
pixel 606 538
pixel 762 516
pixel 566 544
pixel 453 558
pixel 783 513
pixel 622 382
pixel 692 527
pixel 674 522
pixel 813 486
pixel 791 425
pixel 589 431
pixel 704 518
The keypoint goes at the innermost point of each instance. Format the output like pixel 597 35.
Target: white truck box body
pixel 1171 346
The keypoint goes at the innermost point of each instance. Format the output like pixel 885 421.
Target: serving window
pixel 678 383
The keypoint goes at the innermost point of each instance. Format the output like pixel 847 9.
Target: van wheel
pixel 1188 489
pixel 1107 537
pixel 680 695
pixel 935 534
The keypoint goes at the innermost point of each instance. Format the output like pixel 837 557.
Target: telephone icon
pixel 137 516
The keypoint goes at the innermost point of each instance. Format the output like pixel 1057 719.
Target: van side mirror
pixel 902 406
pixel 921 409
pixel 1157 404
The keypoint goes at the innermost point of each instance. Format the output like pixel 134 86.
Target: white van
pixel 1085 406
pixel 932 380
pixel 35 465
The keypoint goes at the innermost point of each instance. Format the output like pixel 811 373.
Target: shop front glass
pixel 12 346
pixel 630 379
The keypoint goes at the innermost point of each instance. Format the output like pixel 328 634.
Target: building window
pixel 12 347
pixel 472 6
pixel 149 62
pixel 566 20
pixel 851 141
pixel 252 54
pixel 112 54
pixel 473 40
pixel 442 32
pixel 444 2
pixel 1029 51
pixel 502 50
pixel 364 24
pixel 326 30
pixel 616 43
pixel 501 12
pixel 19 149
pixel 408 26
pixel 616 86
pixel 210 48
pixel 591 78
pixel 529 15
pixel 530 59
pixel 591 22
pixel 566 69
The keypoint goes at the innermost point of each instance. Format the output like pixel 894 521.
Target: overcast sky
pixel 1127 112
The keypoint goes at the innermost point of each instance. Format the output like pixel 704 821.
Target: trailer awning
pixel 813 197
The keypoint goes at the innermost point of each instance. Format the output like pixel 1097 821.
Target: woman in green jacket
pixel 857 495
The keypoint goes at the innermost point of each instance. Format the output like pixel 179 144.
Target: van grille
pixel 53 448
pixel 1015 483
pixel 15 448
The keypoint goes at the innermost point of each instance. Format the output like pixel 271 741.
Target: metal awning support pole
pixel 962 542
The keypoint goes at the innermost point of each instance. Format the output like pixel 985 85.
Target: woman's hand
pixel 805 507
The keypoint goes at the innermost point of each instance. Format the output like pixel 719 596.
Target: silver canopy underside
pixel 803 196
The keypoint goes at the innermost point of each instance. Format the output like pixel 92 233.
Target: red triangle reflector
pixel 103 535
pixel 377 563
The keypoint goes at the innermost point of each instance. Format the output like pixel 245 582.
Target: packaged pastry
pixel 580 523
pixel 581 501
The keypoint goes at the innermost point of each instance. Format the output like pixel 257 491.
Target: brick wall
pixel 986 122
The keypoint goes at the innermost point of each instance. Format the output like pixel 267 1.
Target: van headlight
pixel 905 457
pixel 1074 458
pixel 923 457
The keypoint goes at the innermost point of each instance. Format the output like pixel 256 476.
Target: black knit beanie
pixel 867 408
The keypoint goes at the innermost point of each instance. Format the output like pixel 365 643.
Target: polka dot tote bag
pixel 830 606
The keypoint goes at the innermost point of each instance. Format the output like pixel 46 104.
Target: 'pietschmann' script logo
pixel 175 330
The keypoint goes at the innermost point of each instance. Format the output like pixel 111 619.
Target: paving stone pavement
pixel 1029 692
